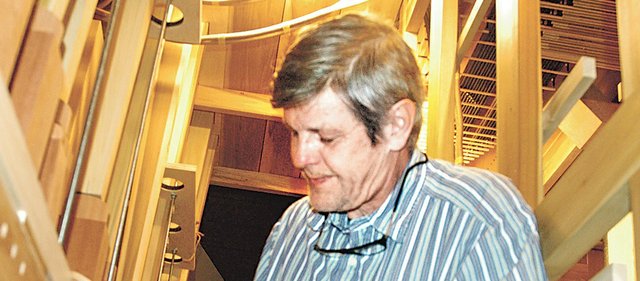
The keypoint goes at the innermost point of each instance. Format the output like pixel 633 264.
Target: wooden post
pixel 443 48
pixel 519 95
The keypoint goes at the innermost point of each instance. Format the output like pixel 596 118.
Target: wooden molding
pixel 256 181
pixel 238 103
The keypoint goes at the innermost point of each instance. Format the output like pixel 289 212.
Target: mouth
pixel 316 181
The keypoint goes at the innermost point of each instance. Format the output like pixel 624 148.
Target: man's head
pixel 351 92
pixel 363 59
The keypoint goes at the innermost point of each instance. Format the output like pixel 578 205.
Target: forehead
pixel 326 110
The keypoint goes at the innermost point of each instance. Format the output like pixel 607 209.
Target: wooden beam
pixel 571 90
pixel 413 12
pixel 519 95
pixel 580 124
pixel 199 146
pixel 237 103
pixel 256 181
pixel 595 186
pixel 471 27
pixel 442 45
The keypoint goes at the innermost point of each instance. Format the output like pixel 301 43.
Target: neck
pixel 397 167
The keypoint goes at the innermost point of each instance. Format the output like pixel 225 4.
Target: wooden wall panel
pixel 241 142
pixel 251 64
pixel 14 17
pixel 276 156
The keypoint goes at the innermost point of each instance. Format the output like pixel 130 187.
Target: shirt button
pixel 352 261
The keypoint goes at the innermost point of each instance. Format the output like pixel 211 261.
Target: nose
pixel 304 151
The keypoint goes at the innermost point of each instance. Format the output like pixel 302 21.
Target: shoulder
pixel 488 196
pixel 298 216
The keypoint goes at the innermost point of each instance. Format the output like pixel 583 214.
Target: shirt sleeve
pixel 491 258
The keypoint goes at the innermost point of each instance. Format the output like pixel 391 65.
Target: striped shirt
pixel 453 223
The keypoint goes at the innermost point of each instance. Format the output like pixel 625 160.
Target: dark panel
pixel 276 156
pixel 236 224
pixel 240 143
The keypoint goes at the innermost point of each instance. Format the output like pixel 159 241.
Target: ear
pixel 400 123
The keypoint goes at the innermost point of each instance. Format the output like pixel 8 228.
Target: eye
pixel 326 140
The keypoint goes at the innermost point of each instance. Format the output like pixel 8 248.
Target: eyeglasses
pixel 374 247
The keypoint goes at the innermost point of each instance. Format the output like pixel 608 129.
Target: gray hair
pixel 361 58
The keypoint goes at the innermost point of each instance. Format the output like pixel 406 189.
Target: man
pixel 377 208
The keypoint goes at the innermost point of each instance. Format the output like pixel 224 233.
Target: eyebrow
pixel 313 130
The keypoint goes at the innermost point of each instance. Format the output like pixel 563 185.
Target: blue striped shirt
pixel 453 223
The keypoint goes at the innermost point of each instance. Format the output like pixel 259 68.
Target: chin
pixel 322 205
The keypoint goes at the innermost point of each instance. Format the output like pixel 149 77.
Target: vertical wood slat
pixel 37 82
pixel 14 18
pixel 76 35
pixel 124 60
pixel 442 46
pixel 519 95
